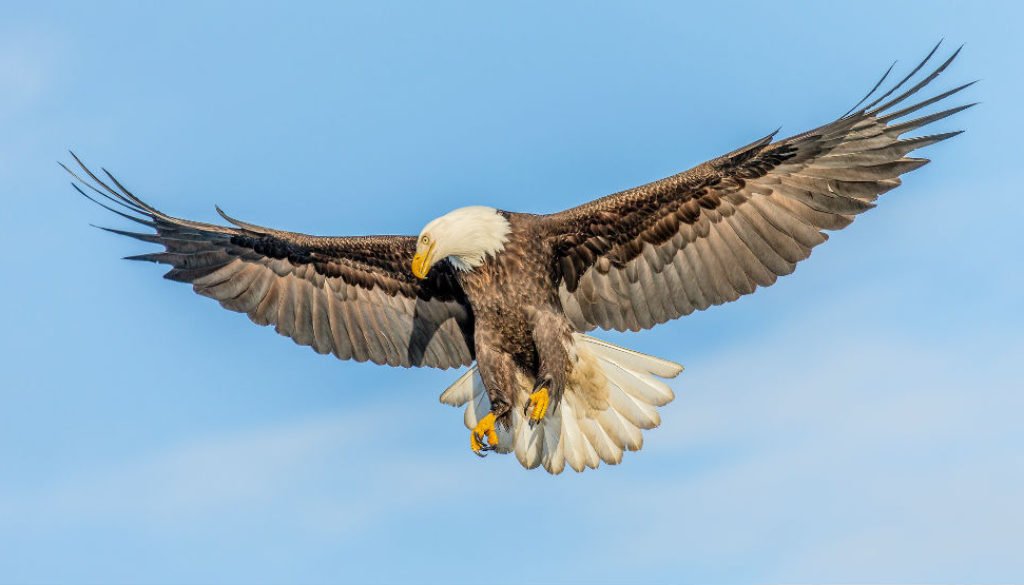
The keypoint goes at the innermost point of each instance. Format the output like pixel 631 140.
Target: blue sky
pixel 857 422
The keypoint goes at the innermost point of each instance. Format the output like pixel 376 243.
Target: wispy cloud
pixel 237 472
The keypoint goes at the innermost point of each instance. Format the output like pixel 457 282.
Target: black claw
pixel 542 383
pixel 480 453
pixel 484 446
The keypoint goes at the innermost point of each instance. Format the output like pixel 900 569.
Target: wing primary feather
pixel 125 192
pixel 905 127
pixel 245 225
pixel 911 109
pixel 151 238
pixel 87 171
pixel 918 85
pixel 94 177
pixel 905 79
pixel 755 144
pixel 151 211
pixel 117 200
pixel 873 90
pixel 157 257
pixel 112 210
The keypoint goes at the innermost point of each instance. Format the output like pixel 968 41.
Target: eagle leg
pixel 484 437
pixel 537 403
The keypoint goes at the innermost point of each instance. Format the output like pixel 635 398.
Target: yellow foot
pixel 483 437
pixel 537 406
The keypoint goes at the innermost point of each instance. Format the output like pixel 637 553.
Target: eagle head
pixel 465 237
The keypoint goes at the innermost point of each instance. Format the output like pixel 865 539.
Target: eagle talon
pixel 483 437
pixel 537 406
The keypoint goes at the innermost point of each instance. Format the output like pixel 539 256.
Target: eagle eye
pixel 425 239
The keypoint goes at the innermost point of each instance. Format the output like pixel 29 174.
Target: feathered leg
pixel 552 336
pixel 498 372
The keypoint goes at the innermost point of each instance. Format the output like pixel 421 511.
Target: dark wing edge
pixel 704 237
pixel 353 297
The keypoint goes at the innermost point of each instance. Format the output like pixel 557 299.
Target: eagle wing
pixel 707 236
pixel 354 297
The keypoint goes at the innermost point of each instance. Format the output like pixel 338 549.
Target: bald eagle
pixel 516 293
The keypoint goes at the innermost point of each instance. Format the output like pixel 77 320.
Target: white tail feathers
pixel 613 394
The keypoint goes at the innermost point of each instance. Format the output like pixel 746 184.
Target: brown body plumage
pixel 518 308
pixel 520 326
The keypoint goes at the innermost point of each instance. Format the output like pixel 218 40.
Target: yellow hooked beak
pixel 421 262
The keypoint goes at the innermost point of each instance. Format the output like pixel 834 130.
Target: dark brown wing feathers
pixel 351 296
pixel 718 231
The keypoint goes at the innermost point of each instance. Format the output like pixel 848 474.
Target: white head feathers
pixel 466 236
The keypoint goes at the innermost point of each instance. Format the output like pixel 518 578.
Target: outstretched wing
pixel 711 234
pixel 354 297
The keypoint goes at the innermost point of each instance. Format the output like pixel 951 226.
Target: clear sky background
pixel 860 421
